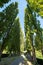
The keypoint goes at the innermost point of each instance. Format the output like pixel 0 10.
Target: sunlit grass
pixel 4 52
pixel 39 54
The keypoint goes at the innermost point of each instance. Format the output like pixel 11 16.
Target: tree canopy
pixel 7 18
pixel 37 6
pixel 2 2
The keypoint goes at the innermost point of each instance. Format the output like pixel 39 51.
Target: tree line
pixel 11 34
pixel 10 30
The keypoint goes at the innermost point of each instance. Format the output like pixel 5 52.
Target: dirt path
pixel 21 61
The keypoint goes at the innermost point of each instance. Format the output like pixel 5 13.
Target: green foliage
pixel 14 37
pixel 15 41
pixel 39 54
pixel 32 25
pixel 7 18
pixel 10 30
pixel 2 2
pixel 37 7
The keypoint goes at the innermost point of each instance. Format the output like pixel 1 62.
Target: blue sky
pixel 21 6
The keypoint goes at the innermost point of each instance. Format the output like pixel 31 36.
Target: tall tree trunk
pixel 34 55
pixel 33 51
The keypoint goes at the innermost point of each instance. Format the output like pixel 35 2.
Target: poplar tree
pixel 7 18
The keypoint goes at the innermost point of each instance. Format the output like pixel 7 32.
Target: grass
pixel 39 54
pixel 8 60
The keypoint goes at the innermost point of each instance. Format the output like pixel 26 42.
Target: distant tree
pixel 21 40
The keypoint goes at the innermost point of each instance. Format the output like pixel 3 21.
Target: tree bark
pixel 33 51
pixel 33 55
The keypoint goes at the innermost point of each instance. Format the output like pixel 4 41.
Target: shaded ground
pixel 21 61
pixel 7 60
